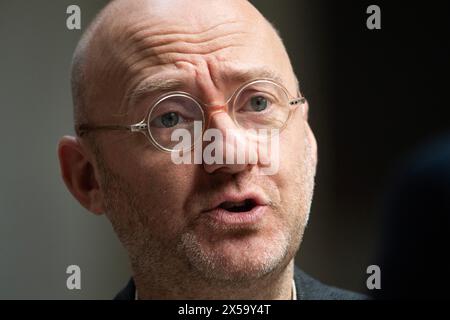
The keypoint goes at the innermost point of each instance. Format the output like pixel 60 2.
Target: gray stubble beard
pixel 212 267
pixel 150 256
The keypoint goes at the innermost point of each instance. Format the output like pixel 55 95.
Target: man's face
pixel 166 214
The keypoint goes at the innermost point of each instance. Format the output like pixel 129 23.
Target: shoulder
pixel 309 288
pixel 127 293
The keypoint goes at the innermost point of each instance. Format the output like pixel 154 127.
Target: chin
pixel 236 259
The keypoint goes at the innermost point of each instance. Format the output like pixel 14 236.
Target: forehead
pixel 192 16
pixel 163 39
pixel 190 46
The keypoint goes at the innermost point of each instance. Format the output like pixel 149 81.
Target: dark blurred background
pixel 375 96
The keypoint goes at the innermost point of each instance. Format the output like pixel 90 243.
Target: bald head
pixel 129 39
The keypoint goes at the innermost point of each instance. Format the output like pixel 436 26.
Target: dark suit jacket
pixel 307 287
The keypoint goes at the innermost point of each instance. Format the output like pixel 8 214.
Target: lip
pixel 258 198
pixel 239 218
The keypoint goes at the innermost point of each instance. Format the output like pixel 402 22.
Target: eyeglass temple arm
pixel 296 101
pixel 84 128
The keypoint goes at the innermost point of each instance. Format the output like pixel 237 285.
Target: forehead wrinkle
pixel 140 48
pixel 165 53
pixel 138 31
pixel 196 43
pixel 148 58
pixel 141 36
pixel 131 70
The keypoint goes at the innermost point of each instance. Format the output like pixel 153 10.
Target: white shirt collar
pixel 294 291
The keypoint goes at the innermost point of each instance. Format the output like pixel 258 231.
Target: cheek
pixel 159 190
pixel 164 188
pixel 293 162
pixel 292 147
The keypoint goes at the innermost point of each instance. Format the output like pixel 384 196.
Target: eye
pixel 167 120
pixel 256 103
pixel 259 103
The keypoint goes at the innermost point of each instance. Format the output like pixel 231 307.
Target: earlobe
pixel 78 173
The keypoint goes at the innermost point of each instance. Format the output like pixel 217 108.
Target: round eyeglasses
pixel 258 104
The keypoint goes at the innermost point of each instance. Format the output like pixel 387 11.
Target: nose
pixel 226 147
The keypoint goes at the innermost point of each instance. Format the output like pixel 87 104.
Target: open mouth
pixel 242 206
pixel 239 209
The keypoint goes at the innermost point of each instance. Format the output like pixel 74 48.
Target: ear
pixel 310 135
pixel 305 110
pixel 78 173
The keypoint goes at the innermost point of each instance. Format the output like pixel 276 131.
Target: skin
pixel 155 206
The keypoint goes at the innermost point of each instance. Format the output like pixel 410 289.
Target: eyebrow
pixel 154 85
pixel 243 76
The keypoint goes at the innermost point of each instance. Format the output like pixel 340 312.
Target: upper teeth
pixel 229 204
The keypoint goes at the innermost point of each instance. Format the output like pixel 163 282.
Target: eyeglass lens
pixel 258 105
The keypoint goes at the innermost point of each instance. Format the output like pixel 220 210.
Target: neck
pixel 184 285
